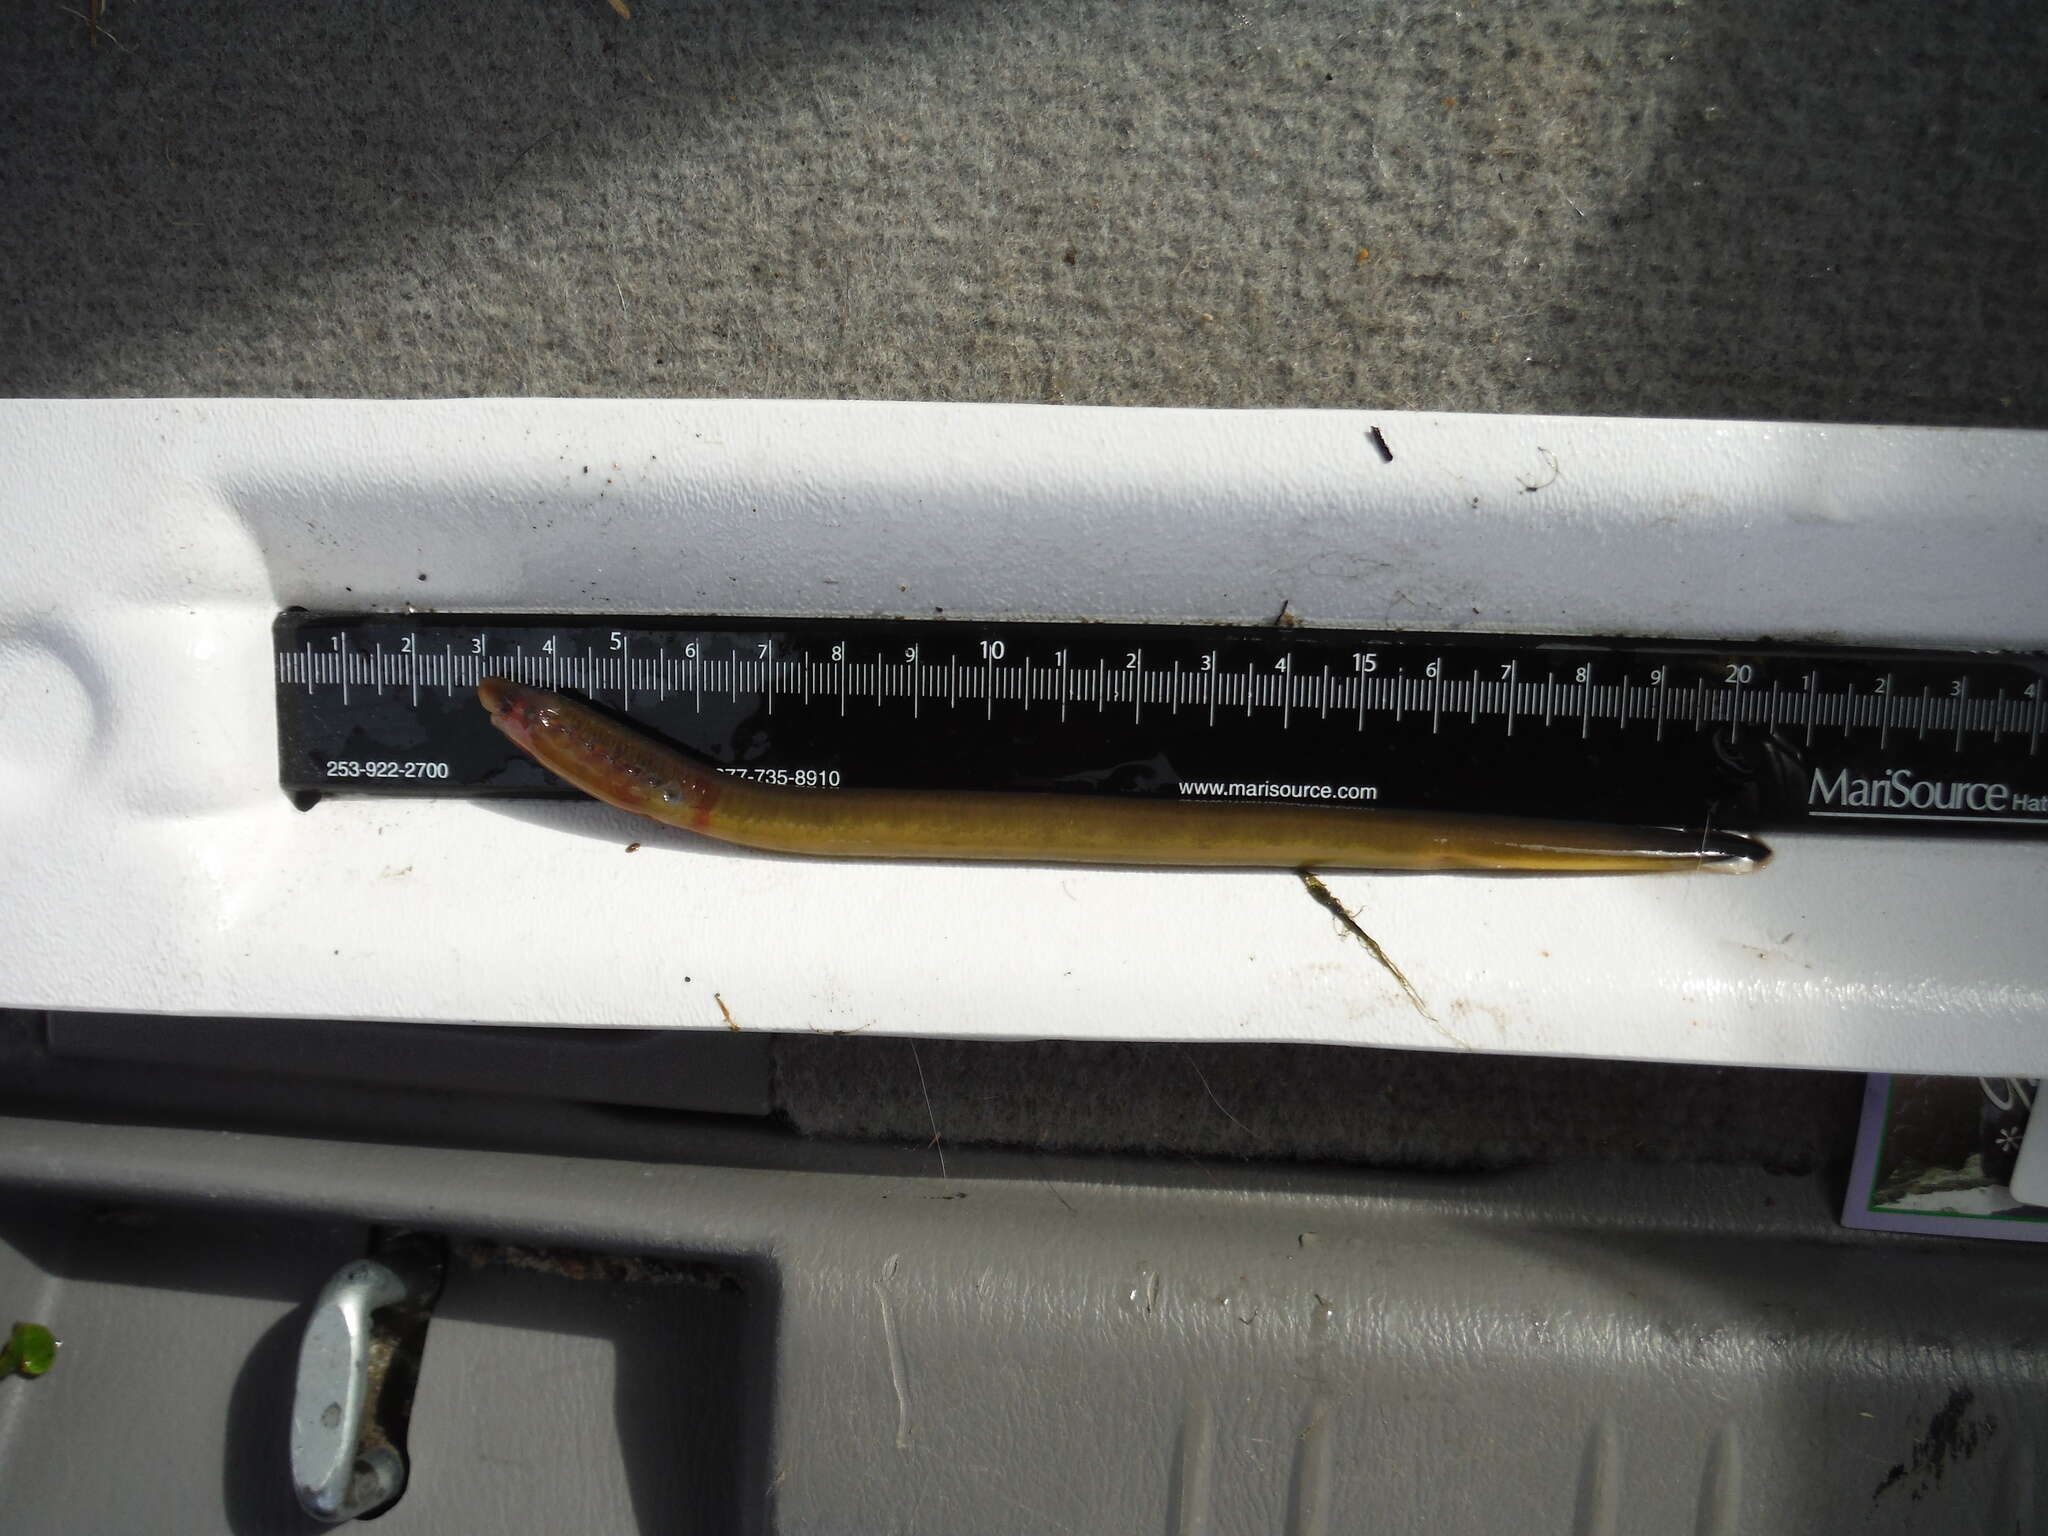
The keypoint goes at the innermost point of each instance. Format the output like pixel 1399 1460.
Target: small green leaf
pixel 31 1350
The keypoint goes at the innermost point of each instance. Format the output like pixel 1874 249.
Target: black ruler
pixel 1749 737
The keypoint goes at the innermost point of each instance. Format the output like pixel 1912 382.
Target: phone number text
pixel 348 768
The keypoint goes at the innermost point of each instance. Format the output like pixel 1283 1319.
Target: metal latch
pixel 357 1365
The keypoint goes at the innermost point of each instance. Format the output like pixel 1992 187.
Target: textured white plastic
pixel 151 863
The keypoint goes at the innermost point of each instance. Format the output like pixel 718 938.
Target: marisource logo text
pixel 1902 790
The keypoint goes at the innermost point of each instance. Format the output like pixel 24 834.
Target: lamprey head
pixel 520 712
pixel 601 756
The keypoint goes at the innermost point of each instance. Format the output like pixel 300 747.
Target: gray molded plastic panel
pixel 550 1403
pixel 168 1406
pixel 1602 1351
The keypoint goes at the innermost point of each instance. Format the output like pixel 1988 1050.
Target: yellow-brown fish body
pixel 624 768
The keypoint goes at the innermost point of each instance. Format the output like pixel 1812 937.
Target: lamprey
pixel 608 759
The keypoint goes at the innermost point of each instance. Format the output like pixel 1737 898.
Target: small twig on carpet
pixel 513 164
pixel 921 1088
pixel 1204 1080
pixel 93 30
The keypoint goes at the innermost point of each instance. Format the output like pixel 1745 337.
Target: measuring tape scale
pixel 1669 732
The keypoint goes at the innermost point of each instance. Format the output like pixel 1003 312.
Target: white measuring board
pixel 153 863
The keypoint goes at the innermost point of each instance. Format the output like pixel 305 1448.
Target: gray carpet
pixel 1389 1109
pixel 1828 210
pixel 1730 208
